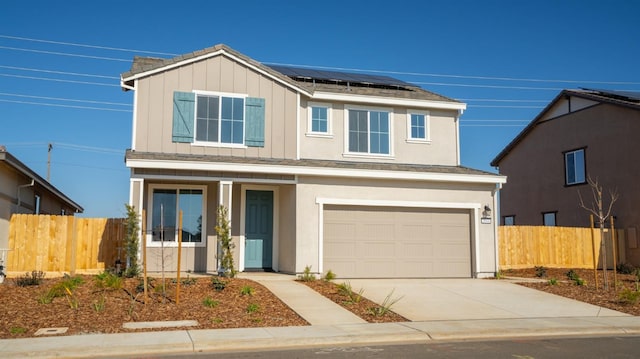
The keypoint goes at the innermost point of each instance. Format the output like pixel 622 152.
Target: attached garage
pixel 396 242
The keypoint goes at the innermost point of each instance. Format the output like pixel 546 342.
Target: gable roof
pixel 17 165
pixel 619 98
pixel 304 80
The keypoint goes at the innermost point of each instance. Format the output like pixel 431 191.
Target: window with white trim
pixel 574 167
pixel 319 122
pixel 418 126
pixel 219 119
pixel 166 204
pixel 369 131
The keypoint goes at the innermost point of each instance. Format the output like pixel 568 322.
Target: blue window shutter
pixel 254 119
pixel 183 116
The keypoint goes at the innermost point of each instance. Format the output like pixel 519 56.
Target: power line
pixel 59 80
pixel 85 45
pixel 66 99
pixel 490 86
pixel 89 148
pixel 58 72
pixel 497 106
pixel 498 100
pixel 66 106
pixel 65 54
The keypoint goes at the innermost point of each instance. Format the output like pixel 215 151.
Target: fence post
pixel 593 247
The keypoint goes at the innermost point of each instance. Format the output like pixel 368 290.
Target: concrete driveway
pixel 464 299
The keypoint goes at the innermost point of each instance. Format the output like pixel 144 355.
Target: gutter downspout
pixel 24 186
pixel 495 224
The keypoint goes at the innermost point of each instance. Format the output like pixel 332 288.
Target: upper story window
pixel 220 119
pixel 549 218
pixel 319 122
pixel 418 126
pixel 574 167
pixel 369 131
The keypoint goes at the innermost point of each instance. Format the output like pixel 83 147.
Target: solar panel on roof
pixel 631 95
pixel 307 73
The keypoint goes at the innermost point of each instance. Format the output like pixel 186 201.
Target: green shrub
pixel 625 268
pixel 346 290
pixel 553 281
pixel 572 275
pixel 218 284
pixel 306 275
pixel 17 330
pixel 99 304
pixel 541 271
pixel 386 305
pixel 629 296
pixel 247 290
pixel 252 308
pixel 210 302
pixel 29 279
pixel 329 276
pixel 108 280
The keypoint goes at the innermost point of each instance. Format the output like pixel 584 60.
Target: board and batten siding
pixel 153 128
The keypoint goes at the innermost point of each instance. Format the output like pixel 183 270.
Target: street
pixel 529 348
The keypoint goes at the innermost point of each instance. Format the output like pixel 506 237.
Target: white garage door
pixel 383 242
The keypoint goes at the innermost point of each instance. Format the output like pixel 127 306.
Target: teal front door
pixel 258 230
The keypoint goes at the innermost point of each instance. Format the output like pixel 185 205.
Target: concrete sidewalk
pixel 194 341
pixel 438 310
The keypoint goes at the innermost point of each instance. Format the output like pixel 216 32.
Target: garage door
pixel 384 242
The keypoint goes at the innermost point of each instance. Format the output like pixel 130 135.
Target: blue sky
pixel 60 62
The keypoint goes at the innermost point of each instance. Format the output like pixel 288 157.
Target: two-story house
pixel 580 134
pixel 352 173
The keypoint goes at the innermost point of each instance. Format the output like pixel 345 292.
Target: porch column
pixel 136 195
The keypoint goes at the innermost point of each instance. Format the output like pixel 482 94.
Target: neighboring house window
pixel 509 220
pixel 220 119
pixel 549 218
pixel 165 211
pixel 319 119
pixel 418 126
pixel 369 132
pixel 574 167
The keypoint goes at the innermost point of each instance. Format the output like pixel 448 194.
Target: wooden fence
pixel 64 244
pixel 554 247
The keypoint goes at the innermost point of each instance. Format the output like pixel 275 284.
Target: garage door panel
pixel 385 242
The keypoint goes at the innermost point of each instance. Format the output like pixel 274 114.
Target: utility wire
pixel 85 45
pixel 65 54
pixel 58 72
pixel 66 99
pixel 59 80
pixel 66 106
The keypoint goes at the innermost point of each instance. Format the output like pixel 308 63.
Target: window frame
pixel 368 154
pixel 427 127
pixel 310 132
pixel 555 218
pixel 174 244
pixel 566 166
pixel 219 143
pixel 513 220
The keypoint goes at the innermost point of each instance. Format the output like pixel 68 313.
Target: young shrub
pixel 17 330
pixel 541 271
pixel 252 308
pixel 553 281
pixel 329 276
pixel 386 305
pixel 210 302
pixel 629 296
pixel 99 304
pixel 108 280
pixel 572 275
pixel 247 290
pixel 29 279
pixel 346 290
pixel 132 242
pixel 223 230
pixel 625 268
pixel 306 275
pixel 218 284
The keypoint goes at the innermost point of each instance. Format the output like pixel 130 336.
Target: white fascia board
pixel 209 55
pixel 316 171
pixel 389 101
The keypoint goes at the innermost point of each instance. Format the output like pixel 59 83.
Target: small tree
pixel 225 243
pixel 602 212
pixel 132 241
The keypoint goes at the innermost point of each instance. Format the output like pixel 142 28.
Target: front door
pixel 258 230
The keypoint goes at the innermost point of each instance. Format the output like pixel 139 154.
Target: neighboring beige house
pixel 351 173
pixel 24 191
pixel 580 134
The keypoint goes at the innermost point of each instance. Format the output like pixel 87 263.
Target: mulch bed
pixel 614 298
